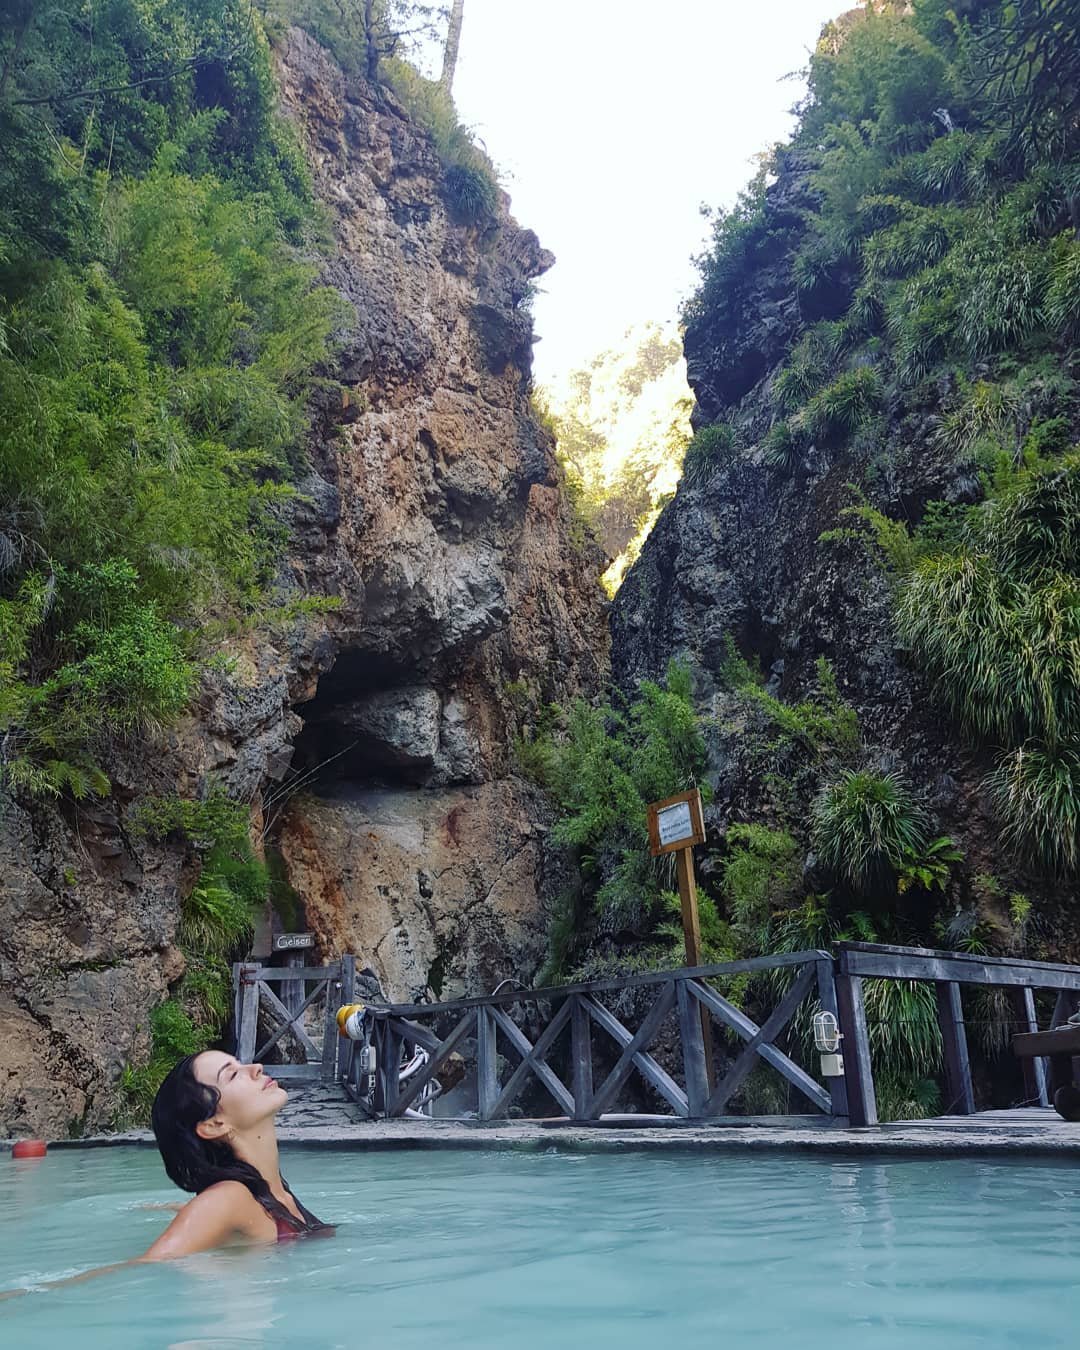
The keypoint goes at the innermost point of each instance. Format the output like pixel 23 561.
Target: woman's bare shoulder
pixel 212 1217
pixel 224 1193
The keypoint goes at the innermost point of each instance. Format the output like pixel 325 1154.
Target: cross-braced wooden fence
pixel 582 1056
pixel 567 1051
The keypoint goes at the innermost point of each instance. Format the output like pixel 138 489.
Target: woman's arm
pixel 209 1220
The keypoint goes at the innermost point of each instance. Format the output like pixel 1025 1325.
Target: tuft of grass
pixel 780 449
pixel 471 193
pixel 865 826
pixel 1036 789
pixel 711 448
pixel 843 406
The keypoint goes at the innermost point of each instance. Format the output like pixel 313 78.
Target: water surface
pixel 525 1251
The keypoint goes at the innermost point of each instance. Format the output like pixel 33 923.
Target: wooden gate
pixel 307 1029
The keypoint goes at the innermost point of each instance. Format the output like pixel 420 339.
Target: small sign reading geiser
pixel 290 942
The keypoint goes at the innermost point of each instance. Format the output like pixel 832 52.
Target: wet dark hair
pixel 192 1162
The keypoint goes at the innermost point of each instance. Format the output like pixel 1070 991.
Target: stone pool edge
pixel 1054 1138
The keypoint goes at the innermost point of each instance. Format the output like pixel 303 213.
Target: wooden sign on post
pixel 675 826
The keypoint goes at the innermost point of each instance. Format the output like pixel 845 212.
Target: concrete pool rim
pixel 1014 1134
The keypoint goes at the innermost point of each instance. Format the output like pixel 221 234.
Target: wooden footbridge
pixel 581 1051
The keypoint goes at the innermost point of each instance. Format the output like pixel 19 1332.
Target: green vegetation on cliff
pixel 216 918
pixel 160 329
pixel 935 258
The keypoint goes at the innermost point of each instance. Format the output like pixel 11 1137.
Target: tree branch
pixel 193 64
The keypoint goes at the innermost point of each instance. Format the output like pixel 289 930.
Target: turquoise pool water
pixel 527 1251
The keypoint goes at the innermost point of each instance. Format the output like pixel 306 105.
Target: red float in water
pixel 29 1148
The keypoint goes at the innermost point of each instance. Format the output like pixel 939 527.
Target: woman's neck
pixel 259 1147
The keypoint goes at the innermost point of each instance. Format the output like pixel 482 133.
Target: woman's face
pixel 248 1095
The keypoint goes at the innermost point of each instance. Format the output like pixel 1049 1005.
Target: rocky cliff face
pixel 738 554
pixel 431 510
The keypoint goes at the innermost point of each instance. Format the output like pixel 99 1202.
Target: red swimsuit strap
pixel 288 1225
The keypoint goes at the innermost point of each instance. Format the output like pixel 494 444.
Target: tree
pixel 381 28
pixel 1027 63
pixel 453 41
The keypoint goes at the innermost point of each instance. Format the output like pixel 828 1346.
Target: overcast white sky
pixel 613 120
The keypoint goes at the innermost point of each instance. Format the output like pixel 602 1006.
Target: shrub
pixel 920 239
pixel 809 365
pixel 603 767
pixel 865 825
pixel 1001 295
pixel 1062 303
pixel 761 873
pixel 928 869
pixel 1047 436
pixel 904 1028
pixel 997 621
pixel 987 410
pixel 215 927
pixel 891 538
pixel 961 164
pixel 214 919
pixel 823 724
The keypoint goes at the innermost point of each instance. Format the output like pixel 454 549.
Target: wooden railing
pixel 574 1029
pixel 574 1053
pixel 948 971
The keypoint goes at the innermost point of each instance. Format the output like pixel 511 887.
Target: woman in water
pixel 213 1119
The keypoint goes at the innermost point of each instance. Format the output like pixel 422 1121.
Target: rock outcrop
pixel 431 510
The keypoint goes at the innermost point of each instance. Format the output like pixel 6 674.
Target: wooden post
pixel 388 1067
pixel 487 1082
pixel 248 1027
pixel 858 1071
pixel 827 999
pixel 1065 1005
pixel 237 999
pixel 960 1099
pixel 346 1048
pixel 581 1055
pixel 1036 1069
pixel 688 894
pixel 696 1071
pixel 684 859
pixel 675 825
pixel 292 991
pixel 334 1001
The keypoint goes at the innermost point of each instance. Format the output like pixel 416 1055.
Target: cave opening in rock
pixel 373 723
